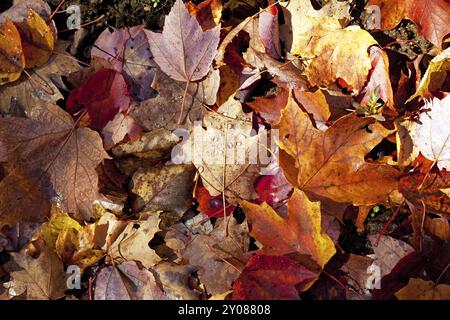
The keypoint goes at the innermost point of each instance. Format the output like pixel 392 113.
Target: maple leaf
pixel 38 40
pixel 300 232
pixel 331 164
pixel 210 253
pixel 208 13
pixel 42 85
pixel 431 17
pixel 129 52
pixel 127 281
pixel 62 165
pixel 427 187
pixel 221 153
pixel 389 251
pixel 183 51
pixel 418 289
pixel 42 278
pixel 271 278
pixel 104 94
pixel 209 205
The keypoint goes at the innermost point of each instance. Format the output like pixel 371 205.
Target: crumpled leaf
pixel 119 128
pixel 379 82
pixel 58 223
pixel 271 278
pixel 418 289
pixel 269 31
pixel 177 281
pixel 63 165
pixel 208 13
pixel 129 52
pixel 300 232
pixel 133 242
pixel 158 188
pixel 42 278
pixel 435 75
pixel 127 281
pixel 183 51
pixel 209 253
pixel 331 164
pixel 431 17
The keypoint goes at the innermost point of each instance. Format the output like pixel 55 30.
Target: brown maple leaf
pixel 51 160
pixel 331 164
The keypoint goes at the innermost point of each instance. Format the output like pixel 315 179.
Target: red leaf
pixel 209 205
pixel 104 95
pixel 271 278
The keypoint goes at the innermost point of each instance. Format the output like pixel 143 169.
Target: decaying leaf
pixel 42 278
pixel 418 289
pixel 158 188
pixel 127 281
pixel 209 253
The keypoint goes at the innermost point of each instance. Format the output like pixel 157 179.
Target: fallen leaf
pixel 40 279
pixel 183 50
pixel 129 52
pixel 103 95
pixel 208 13
pixel 271 278
pixel 176 281
pixel 119 128
pixel 158 188
pixel 127 281
pixel 42 85
pixel 432 135
pixel 164 110
pixel 209 253
pixel 418 289
pixel 12 59
pixel 63 166
pixel 389 251
pixel 133 242
pixel 435 76
pixel 300 232
pixel 331 164
pixel 431 17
